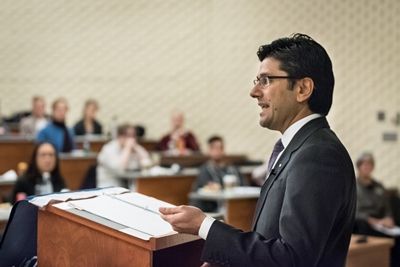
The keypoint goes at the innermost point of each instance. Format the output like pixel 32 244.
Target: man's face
pixel 60 111
pixel 277 101
pixel 216 150
pixel 38 108
pixel 177 121
pixel 130 133
pixel 366 168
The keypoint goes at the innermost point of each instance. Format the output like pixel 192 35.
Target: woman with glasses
pixel 42 176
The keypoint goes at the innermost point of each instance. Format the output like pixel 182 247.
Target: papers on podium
pixel 133 210
pixel 42 201
pixel 395 231
pixel 131 213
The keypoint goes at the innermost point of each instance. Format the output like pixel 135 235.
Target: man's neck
pixel 300 115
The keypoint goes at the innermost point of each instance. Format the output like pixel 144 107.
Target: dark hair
pixel 214 138
pixel 300 56
pixel 33 173
pixel 364 157
pixel 123 128
pixel 140 131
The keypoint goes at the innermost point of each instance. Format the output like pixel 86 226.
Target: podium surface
pixel 77 238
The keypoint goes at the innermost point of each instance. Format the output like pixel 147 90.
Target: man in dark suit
pixel 305 213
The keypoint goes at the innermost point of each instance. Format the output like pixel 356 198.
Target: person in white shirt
pixel 35 122
pixel 120 155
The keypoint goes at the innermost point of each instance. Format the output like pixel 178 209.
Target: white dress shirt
pixel 286 138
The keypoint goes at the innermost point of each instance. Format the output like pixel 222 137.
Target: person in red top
pixel 179 141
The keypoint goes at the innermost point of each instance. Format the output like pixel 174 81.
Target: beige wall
pixel 141 59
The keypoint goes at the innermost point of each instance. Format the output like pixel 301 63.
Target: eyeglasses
pixel 265 81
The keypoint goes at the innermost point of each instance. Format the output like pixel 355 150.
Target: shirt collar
pixel 295 127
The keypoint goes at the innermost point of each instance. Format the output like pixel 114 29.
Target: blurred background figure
pixel 119 155
pixel 37 120
pixel 216 173
pixel 259 174
pixel 88 124
pixel 42 176
pixel 373 206
pixel 179 141
pixel 56 131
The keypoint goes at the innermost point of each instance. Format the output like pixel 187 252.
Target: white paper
pixel 10 175
pixel 395 231
pixel 143 201
pixel 63 206
pixel 129 215
pixel 42 201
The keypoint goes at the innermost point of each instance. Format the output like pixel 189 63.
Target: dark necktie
pixel 278 148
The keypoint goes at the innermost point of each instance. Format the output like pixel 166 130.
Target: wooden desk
pixel 239 204
pixel 14 150
pixel 196 160
pixel 375 252
pixel 81 240
pixel 96 142
pixel 149 145
pixel 173 189
pixel 73 168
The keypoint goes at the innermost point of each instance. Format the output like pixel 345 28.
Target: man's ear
pixel 305 88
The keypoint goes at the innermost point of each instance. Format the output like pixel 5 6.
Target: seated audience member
pixel 56 131
pixel 373 208
pixel 179 141
pixel 3 127
pixel 42 176
pixel 88 124
pixel 37 120
pixel 120 155
pixel 216 173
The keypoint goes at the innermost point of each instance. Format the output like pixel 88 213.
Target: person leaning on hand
pixel 305 213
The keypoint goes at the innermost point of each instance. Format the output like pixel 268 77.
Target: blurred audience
pixel 42 176
pixel 37 120
pixel 88 124
pixel 373 207
pixel 56 131
pixel 216 173
pixel 120 155
pixel 179 141
pixel 259 174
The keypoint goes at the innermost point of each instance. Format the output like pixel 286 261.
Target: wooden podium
pixel 78 238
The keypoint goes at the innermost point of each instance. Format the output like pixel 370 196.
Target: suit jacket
pixel 305 213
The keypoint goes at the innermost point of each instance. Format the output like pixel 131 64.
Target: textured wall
pixel 141 59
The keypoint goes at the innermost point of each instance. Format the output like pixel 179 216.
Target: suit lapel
pixel 296 142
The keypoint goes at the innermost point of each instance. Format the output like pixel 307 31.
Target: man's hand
pixel 184 219
pixel 387 222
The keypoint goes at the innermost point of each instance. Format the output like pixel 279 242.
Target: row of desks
pixel 15 149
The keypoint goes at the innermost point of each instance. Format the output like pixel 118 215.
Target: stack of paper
pixel 42 201
pixel 133 210
pixel 394 231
